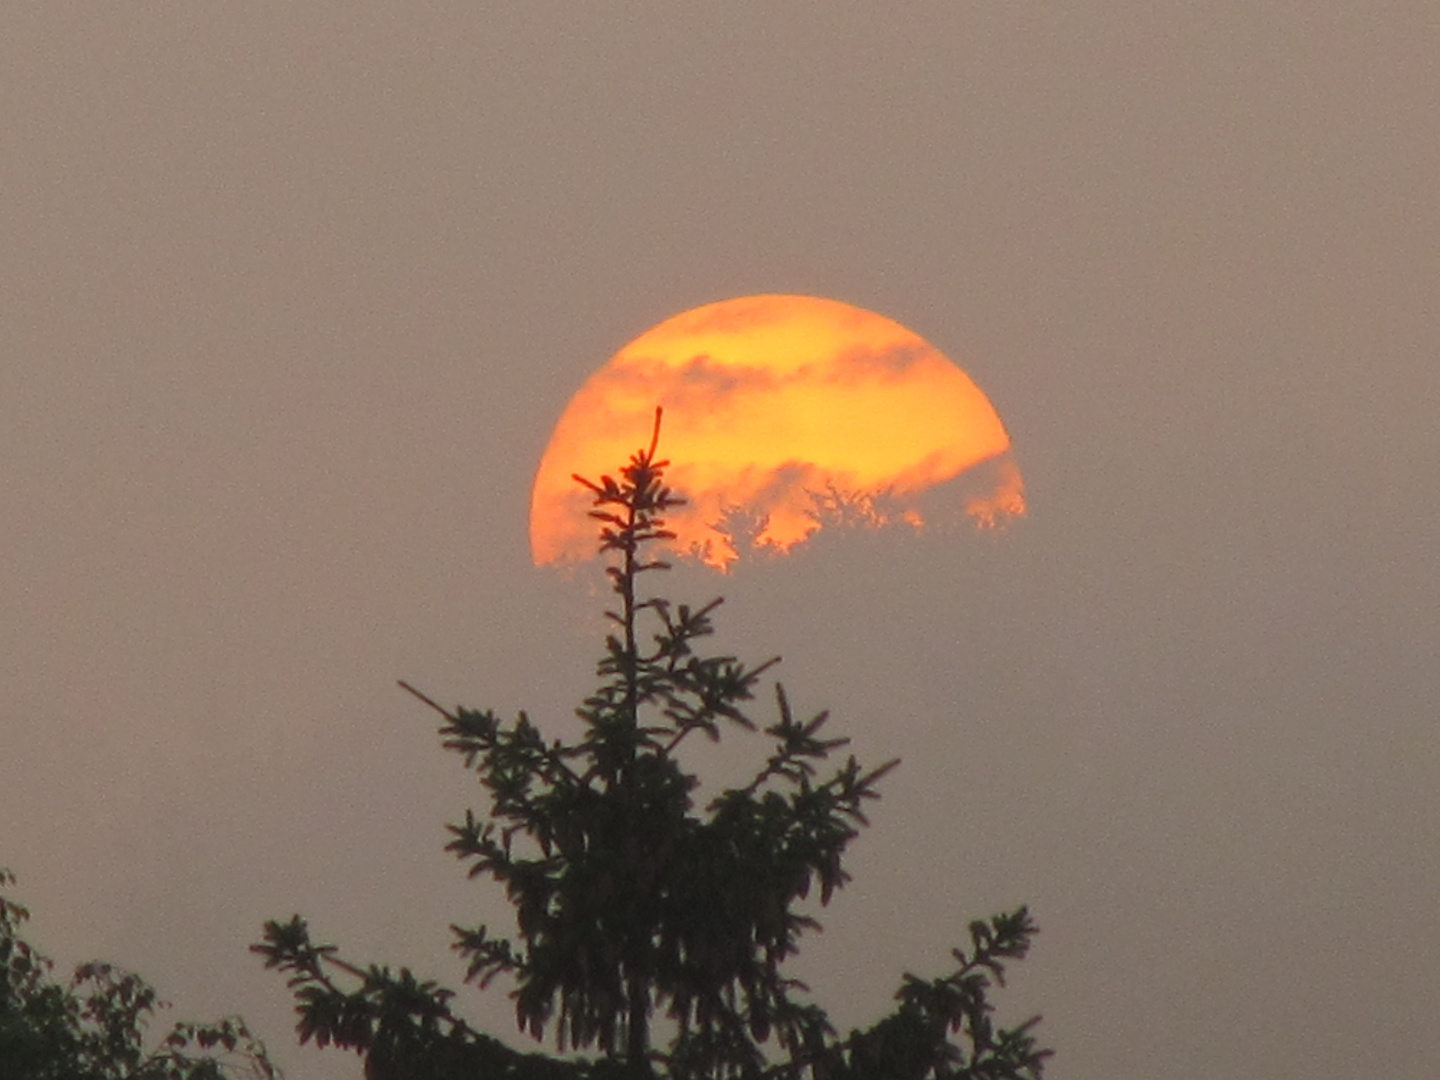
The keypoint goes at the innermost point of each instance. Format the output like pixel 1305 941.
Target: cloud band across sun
pixel 771 402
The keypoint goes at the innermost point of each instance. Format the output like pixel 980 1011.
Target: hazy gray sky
pixel 292 294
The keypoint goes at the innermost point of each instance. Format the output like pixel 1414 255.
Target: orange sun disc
pixel 774 404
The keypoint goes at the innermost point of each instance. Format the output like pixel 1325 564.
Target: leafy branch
pixel 95 1024
pixel 915 1042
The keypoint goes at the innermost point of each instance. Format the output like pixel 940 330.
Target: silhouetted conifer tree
pixel 652 932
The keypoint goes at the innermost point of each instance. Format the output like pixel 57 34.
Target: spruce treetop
pixel 651 929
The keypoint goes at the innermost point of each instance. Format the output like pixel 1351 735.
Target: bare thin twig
pixel 429 701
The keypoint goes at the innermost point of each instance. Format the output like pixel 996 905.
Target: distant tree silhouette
pixel 653 932
pixel 94 1026
pixel 740 529
pixel 836 514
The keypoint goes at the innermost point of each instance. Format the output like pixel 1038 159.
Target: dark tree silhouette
pixel 94 1026
pixel 653 931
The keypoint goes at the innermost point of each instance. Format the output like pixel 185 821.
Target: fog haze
pixel 292 296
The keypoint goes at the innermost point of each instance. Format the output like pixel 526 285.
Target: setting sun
pixel 772 405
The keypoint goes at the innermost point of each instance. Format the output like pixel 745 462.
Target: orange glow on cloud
pixel 771 402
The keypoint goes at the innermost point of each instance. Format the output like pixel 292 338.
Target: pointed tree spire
pixel 651 928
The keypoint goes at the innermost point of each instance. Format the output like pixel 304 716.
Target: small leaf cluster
pixel 94 1025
